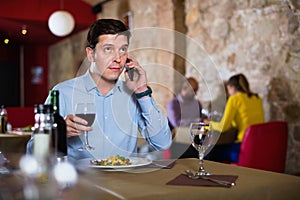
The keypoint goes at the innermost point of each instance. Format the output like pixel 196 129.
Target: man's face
pixel 109 56
pixel 189 90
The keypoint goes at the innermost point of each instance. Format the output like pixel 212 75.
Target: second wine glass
pixel 202 139
pixel 86 111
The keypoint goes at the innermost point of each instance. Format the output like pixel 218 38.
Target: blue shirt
pixel 120 117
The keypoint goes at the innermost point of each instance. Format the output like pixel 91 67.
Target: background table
pixel 13 142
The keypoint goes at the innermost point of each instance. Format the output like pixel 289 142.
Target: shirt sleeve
pixel 153 125
pixel 173 112
pixel 227 119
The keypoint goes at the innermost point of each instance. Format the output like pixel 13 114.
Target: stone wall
pixel 224 37
pixel 66 58
pixel 257 38
pixel 152 44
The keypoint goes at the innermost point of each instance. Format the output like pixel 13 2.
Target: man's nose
pixel 117 57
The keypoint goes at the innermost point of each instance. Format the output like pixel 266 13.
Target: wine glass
pixel 202 139
pixel 86 111
pixel 3 163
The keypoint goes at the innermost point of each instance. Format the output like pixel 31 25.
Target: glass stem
pixel 201 156
pixel 86 138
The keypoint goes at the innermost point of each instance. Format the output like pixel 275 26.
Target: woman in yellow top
pixel 243 109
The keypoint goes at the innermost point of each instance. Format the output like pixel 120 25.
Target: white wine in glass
pixel 86 111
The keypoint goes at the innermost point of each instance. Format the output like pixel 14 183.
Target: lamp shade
pixel 61 23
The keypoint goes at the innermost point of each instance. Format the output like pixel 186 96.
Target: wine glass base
pixel 202 173
pixel 89 148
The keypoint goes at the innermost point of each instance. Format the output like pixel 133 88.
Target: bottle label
pixel 41 146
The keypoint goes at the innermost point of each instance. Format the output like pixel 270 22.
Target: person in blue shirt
pixel 125 109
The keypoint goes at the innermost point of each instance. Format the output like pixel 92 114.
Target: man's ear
pixel 90 54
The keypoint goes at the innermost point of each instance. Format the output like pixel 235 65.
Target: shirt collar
pixel 90 84
pixel 119 85
pixel 88 81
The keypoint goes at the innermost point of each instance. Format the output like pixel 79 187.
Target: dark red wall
pixel 33 14
pixel 34 56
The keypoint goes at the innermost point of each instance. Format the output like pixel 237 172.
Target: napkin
pixel 164 164
pixel 185 180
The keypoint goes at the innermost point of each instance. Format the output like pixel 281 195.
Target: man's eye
pixel 123 50
pixel 107 49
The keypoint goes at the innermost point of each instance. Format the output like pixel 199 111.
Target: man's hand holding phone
pixel 130 71
pixel 136 76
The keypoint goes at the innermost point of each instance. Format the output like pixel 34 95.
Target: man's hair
pixel 190 82
pixel 104 27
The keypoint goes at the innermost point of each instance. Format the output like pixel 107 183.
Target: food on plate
pixel 112 161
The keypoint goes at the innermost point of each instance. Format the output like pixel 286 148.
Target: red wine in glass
pixel 86 111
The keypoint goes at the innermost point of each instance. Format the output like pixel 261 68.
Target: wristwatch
pixel 145 93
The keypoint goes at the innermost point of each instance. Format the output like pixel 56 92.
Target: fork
pixel 192 175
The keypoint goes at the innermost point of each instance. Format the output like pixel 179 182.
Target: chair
pixel 264 146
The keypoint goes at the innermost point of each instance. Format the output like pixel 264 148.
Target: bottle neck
pixel 44 123
pixel 3 111
pixel 55 110
pixel 54 101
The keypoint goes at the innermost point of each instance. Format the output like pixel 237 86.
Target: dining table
pixel 14 141
pixel 154 181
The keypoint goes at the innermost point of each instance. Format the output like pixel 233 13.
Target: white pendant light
pixel 61 23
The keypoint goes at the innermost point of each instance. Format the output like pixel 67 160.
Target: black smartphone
pixel 129 70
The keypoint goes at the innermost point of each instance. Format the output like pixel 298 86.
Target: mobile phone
pixel 129 70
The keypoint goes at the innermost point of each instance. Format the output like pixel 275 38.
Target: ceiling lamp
pixel 61 23
pixel 6 40
pixel 24 30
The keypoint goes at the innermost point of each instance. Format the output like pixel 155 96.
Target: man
pixel 123 108
pixel 184 108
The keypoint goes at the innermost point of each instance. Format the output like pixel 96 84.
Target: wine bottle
pixel 41 141
pixel 62 148
pixel 3 119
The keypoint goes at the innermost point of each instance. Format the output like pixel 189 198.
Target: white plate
pixel 136 162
